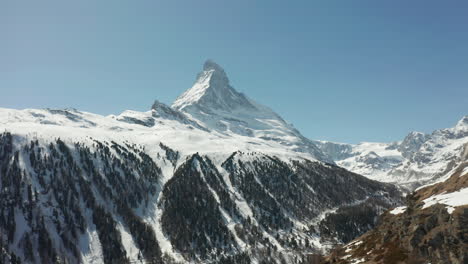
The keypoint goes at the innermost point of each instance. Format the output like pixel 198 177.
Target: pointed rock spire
pixel 212 91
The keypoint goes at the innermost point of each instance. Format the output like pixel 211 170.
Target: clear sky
pixel 345 71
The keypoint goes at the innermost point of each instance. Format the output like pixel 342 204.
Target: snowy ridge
pixel 74 125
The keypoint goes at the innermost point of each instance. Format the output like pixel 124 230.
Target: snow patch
pixel 452 200
pixel 357 261
pixel 398 210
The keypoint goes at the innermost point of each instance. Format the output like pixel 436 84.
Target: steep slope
pixel 431 228
pixel 417 160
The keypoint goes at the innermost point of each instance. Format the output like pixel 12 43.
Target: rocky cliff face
pixel 431 228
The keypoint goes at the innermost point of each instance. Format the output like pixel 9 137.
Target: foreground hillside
pixel 111 202
pixel 431 228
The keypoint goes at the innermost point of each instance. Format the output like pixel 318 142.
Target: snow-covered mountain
pixel 210 117
pixel 213 102
pixel 214 178
pixel 418 159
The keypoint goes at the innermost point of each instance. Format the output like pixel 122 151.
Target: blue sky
pixel 345 71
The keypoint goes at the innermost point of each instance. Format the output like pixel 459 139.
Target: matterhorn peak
pixel 212 91
pixel 215 104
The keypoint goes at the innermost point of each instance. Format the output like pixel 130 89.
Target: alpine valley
pixel 214 178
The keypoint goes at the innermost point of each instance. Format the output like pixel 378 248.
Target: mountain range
pixel 214 178
pixel 417 160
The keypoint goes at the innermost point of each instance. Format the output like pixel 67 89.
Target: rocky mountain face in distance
pixel 214 178
pixel 416 160
pixel 431 228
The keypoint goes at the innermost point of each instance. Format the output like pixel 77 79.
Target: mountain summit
pixel 212 91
